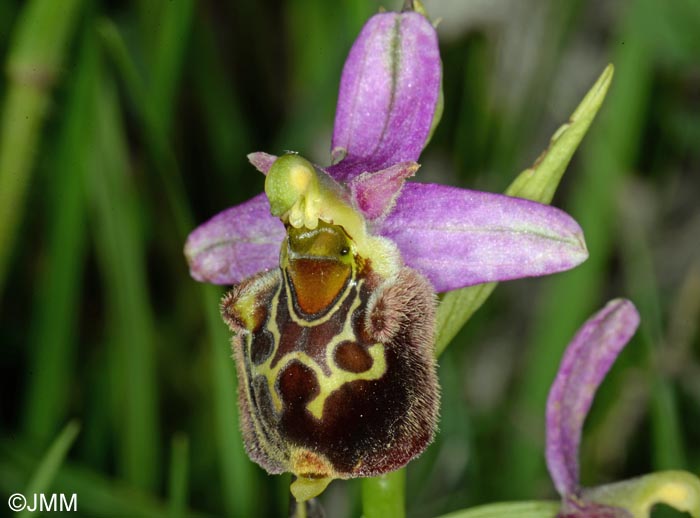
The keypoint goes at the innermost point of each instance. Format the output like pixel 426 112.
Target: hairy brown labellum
pixel 335 362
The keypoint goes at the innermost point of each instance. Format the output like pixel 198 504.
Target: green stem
pixel 385 495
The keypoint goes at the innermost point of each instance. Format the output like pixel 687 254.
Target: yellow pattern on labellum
pixel 334 350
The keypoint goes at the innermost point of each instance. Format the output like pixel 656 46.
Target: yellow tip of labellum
pixel 307 488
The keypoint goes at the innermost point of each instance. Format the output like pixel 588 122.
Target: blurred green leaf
pixel 173 39
pixel 179 466
pixel 227 136
pixel 152 130
pixel 46 471
pixel 239 476
pixel 98 495
pixel 509 510
pixel 54 326
pixel 641 284
pixel 37 51
pixel 122 255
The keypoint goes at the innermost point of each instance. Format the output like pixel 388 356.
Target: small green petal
pixel 678 489
pixel 384 495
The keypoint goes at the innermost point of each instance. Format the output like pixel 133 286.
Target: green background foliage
pixel 125 124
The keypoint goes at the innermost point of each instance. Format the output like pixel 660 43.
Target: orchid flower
pixel 584 365
pixel 335 271
pixel 389 93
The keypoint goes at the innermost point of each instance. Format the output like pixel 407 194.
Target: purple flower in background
pixel 586 361
pixel 335 271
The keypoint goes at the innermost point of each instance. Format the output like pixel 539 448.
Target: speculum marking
pixel 352 357
pixel 356 362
